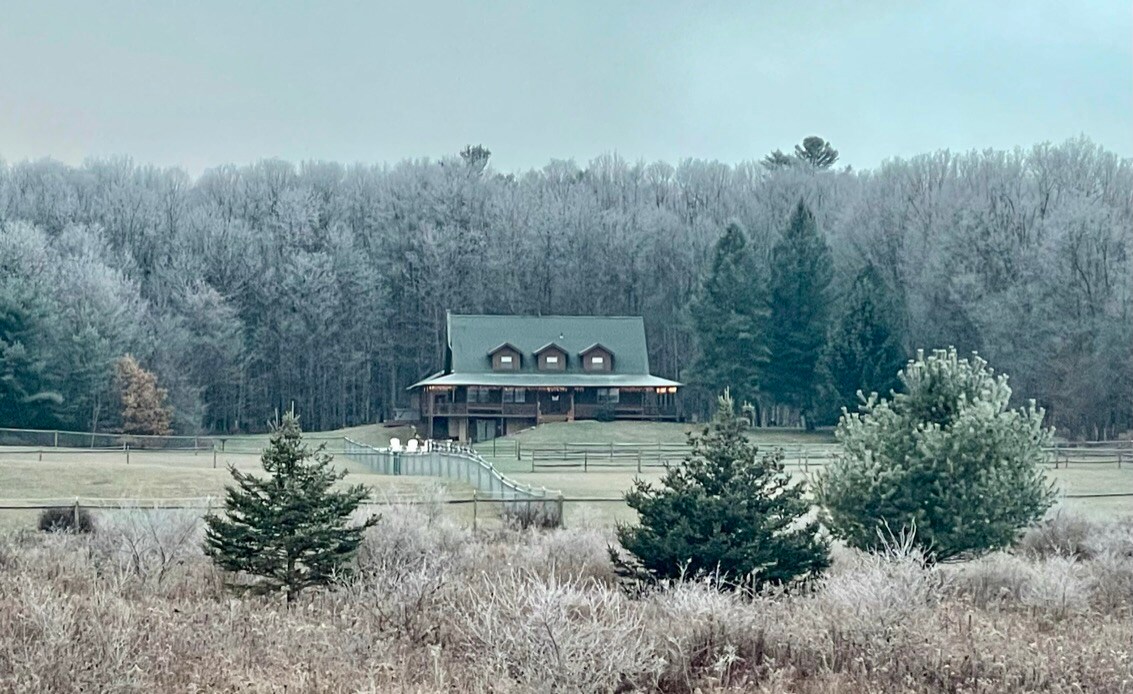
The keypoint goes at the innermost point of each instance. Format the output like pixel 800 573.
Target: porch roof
pixel 538 380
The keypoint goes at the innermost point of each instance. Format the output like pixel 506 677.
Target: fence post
pixel 518 455
pixel 126 446
pixel 562 520
pixel 585 461
pixel 76 513
pixel 611 451
pixel 475 507
pixel 214 458
pixel 639 461
pixel 57 439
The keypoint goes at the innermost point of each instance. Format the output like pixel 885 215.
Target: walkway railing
pixel 450 461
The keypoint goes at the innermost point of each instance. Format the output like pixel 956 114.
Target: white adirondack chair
pixel 411 445
pixel 395 444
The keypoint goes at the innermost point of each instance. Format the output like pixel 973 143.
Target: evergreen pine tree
pixel 816 152
pixel 144 410
pixel 290 529
pixel 801 271
pixel 944 458
pixel 729 314
pixel 864 351
pixel 725 510
pixel 26 400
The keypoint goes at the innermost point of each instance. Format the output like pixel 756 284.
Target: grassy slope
pixel 644 432
pixel 60 474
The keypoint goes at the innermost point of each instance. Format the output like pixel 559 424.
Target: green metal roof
pixel 472 338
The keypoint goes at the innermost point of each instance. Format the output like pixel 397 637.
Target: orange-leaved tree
pixel 144 410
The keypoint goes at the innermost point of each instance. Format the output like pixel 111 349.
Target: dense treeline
pixel 326 285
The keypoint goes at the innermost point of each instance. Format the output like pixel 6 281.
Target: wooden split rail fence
pixel 641 456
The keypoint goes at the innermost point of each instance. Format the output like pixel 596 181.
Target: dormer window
pixel 505 358
pixel 551 357
pixel 597 358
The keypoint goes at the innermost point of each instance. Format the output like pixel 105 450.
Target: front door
pixel 554 402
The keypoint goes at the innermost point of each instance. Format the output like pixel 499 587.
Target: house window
pixel 507 361
pixel 552 359
pixel 597 360
pixel 608 396
pixel 515 395
pixel 478 394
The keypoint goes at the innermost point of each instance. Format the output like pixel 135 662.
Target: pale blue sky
pixel 202 83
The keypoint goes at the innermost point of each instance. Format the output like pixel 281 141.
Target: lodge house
pixel 506 373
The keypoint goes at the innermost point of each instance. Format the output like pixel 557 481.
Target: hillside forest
pixel 325 285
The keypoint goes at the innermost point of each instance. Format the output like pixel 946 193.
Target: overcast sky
pixel 200 83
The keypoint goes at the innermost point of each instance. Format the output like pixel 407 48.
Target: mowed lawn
pixel 605 481
pixel 597 491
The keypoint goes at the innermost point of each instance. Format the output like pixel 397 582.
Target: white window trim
pixel 552 359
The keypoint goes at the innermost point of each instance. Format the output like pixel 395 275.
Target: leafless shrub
pixel 998 578
pixel 552 635
pixel 1059 587
pixel 877 591
pixel 1111 581
pixel 1062 534
pixel 531 514
pixel 147 544
pixel 1114 538
pixel 66 519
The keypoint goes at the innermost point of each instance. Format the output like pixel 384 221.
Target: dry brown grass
pixel 437 607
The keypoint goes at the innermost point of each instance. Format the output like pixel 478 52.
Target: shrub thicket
pixel 725 511
pixel 66 519
pixel 945 458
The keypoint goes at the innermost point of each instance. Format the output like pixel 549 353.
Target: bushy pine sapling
pixel 945 456
pixel 727 512
pixel 291 529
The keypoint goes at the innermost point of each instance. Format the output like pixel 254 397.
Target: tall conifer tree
pixel 864 352
pixel 730 315
pixel 801 271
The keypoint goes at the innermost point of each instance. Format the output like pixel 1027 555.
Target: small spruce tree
pixel 290 529
pixel 725 510
pixel 144 410
pixel 945 458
